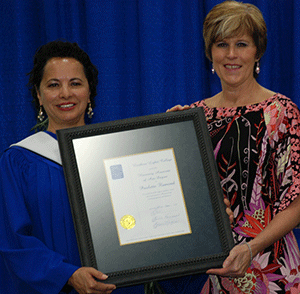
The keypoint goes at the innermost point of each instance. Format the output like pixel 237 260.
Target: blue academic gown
pixel 38 243
pixel 38 248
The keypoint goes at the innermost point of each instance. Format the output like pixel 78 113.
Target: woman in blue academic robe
pixel 38 249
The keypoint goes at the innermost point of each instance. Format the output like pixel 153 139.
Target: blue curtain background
pixel 150 53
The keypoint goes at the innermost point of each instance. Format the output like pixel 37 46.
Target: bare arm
pixel 238 260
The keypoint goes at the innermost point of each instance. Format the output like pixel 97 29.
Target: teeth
pixel 66 106
pixel 232 66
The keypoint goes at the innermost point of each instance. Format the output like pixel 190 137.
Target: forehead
pixel 239 37
pixel 63 66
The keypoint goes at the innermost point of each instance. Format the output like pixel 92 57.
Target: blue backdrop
pixel 150 53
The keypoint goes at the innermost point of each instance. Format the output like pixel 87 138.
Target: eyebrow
pixel 57 80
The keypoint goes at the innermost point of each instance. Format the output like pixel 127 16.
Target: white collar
pixel 42 144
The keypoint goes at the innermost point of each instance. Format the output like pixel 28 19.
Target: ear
pixel 38 95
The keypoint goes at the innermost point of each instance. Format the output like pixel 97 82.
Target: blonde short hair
pixel 231 18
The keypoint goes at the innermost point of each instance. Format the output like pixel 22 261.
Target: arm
pixel 37 243
pixel 32 266
pixel 289 177
pixel 238 260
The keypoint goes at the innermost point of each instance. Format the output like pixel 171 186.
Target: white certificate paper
pixel 147 196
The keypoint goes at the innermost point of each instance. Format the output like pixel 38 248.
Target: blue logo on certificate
pixel 116 172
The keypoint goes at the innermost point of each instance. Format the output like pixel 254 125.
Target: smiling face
pixel 234 59
pixel 64 93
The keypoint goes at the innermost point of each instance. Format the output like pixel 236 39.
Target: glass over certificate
pixel 146 196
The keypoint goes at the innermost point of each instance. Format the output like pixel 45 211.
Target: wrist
pixel 71 280
pixel 255 246
pixel 67 288
pixel 250 252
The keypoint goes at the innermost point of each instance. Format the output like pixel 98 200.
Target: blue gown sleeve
pixel 32 245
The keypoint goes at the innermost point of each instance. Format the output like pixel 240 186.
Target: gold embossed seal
pixel 127 222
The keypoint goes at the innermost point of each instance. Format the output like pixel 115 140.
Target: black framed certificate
pixel 145 197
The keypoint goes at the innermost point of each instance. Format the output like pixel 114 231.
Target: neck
pixel 240 96
pixel 52 127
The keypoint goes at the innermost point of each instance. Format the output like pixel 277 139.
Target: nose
pixel 65 91
pixel 231 53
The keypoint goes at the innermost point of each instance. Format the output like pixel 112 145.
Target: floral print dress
pixel 257 149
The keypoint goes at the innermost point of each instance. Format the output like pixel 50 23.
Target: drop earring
pixel 257 68
pixel 90 112
pixel 41 114
pixel 212 69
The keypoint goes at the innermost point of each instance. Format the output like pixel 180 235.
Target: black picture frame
pixel 186 133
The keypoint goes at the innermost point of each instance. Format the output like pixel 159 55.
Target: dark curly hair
pixel 61 49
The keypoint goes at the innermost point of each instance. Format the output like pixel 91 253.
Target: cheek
pixel 85 95
pixel 217 58
pixel 44 98
pixel 250 56
pixel 47 98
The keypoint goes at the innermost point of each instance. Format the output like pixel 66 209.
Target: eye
pixel 53 85
pixel 75 83
pixel 242 44
pixel 221 44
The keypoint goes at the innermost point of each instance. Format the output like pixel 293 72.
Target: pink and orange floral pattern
pixel 257 150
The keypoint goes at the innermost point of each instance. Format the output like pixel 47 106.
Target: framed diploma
pixel 145 196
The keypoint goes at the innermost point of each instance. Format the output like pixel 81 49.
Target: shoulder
pixel 284 100
pixel 42 144
pixel 282 117
pixel 285 106
pixel 278 101
pixel 32 140
pixel 15 160
pixel 17 154
pixel 21 165
pixel 206 102
pixel 21 154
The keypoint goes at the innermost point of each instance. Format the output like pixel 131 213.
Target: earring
pixel 213 70
pixel 257 68
pixel 90 112
pixel 41 114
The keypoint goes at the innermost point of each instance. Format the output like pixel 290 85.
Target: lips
pixel 66 106
pixel 232 66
